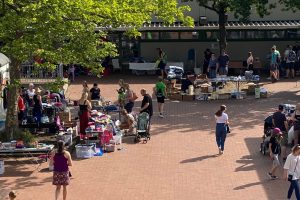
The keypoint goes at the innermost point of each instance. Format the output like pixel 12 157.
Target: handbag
pixel 134 96
pixel 290 176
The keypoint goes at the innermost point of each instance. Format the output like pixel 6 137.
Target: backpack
pixel 292 56
pixel 159 93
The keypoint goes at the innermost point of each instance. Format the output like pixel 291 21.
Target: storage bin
pixel 110 147
pixel 67 138
pixel 84 151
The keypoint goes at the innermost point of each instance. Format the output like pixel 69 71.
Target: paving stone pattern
pixel 179 163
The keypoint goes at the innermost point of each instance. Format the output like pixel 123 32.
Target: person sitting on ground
pixel 274 146
pixel 127 121
pixel 95 92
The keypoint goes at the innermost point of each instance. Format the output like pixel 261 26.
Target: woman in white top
pixel 292 169
pixel 250 61
pixel 221 127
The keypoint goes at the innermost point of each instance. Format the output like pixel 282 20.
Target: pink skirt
pixel 61 178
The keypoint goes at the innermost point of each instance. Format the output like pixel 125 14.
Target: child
pixel 274 148
pixel 12 195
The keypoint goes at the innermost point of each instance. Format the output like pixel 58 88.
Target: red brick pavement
pixel 179 162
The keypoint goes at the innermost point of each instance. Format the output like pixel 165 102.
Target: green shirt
pixel 160 86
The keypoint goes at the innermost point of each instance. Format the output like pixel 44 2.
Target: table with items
pixel 38 151
pixel 221 87
pixel 102 132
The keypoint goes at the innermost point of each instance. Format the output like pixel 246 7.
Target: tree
pixel 242 11
pixel 64 31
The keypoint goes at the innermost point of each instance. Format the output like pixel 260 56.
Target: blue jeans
pixel 221 132
pixel 212 73
pixel 294 186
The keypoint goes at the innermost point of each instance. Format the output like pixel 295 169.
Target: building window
pixel 235 35
pixel 255 34
pixel 275 34
pixel 211 35
pixel 189 35
pixel 169 35
pixel 150 36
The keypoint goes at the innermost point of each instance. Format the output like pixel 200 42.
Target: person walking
pixel 84 112
pixel 279 120
pixel 291 172
pixel 161 93
pixel 61 176
pixel 223 61
pixel 212 66
pixel 296 119
pixel 221 128
pixel 274 146
pixel 146 103
pixel 162 61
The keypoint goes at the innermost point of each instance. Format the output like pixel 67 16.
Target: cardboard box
pixel 65 116
pixel 188 97
pixel 176 97
pixel 263 95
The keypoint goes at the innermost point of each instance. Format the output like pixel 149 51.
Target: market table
pixel 27 153
pixel 150 66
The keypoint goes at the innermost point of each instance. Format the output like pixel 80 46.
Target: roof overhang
pixel 232 25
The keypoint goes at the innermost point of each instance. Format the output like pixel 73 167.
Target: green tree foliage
pixel 64 31
pixel 242 10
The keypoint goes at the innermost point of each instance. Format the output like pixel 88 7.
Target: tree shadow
pixel 198 159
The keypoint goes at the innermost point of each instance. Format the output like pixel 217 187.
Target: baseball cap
pixel 280 107
pixel 277 131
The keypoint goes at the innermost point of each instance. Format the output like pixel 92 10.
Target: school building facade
pixel 280 28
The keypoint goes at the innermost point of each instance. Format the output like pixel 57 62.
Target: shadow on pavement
pixel 198 159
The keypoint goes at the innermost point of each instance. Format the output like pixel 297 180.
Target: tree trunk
pixel 12 124
pixel 222 29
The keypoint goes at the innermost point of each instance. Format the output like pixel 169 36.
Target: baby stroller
pixel 268 128
pixel 143 128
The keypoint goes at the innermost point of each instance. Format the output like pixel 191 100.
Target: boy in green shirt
pixel 161 93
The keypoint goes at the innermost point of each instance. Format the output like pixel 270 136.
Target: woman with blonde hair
pixel 84 112
pixel 85 88
pixel 296 118
pixel 129 98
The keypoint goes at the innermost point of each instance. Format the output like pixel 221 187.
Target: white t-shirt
pixel 31 93
pixel 222 119
pixel 290 165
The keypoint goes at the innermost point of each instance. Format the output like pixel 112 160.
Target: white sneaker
pixel 161 115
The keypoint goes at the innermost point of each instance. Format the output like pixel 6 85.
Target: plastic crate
pixel 84 151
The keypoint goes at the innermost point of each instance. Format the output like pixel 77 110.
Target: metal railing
pixel 30 72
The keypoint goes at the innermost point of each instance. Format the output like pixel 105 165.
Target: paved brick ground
pixel 179 162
